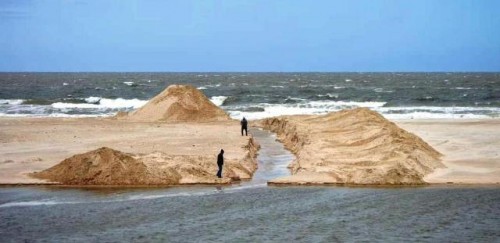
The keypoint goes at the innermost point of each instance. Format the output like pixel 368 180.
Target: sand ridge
pixel 356 146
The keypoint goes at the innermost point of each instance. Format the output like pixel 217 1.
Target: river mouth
pixel 273 159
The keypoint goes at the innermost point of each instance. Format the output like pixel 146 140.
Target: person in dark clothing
pixel 244 126
pixel 220 162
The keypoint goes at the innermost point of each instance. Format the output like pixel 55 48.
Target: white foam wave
pixel 308 108
pixel 11 102
pixel 218 100
pixel 323 107
pixel 202 88
pixel 330 95
pixel 430 115
pixel 92 99
pixel 102 103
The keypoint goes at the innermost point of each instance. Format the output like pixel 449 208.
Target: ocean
pixel 257 95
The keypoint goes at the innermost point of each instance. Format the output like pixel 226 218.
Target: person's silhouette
pixel 244 126
pixel 220 162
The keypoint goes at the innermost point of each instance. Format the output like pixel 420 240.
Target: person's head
pixel 222 151
pixel 243 118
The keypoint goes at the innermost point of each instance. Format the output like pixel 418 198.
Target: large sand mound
pixel 178 103
pixel 356 146
pixel 103 166
pixel 106 166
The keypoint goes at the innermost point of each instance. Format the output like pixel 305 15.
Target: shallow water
pixel 251 211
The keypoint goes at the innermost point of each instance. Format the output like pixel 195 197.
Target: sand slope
pixel 103 166
pixel 106 166
pixel 178 103
pixel 356 146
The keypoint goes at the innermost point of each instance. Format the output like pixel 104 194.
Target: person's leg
pixel 246 131
pixel 242 128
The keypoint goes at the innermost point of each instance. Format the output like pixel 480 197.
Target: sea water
pixel 258 95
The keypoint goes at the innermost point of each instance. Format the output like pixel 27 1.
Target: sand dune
pixel 356 146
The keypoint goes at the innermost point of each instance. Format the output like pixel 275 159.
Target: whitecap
pixel 218 100
pixel 102 104
pixel 92 100
pixel 11 101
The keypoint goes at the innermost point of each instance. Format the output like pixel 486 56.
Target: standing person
pixel 244 126
pixel 220 162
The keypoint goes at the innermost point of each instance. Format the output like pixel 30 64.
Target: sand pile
pixel 106 166
pixel 178 103
pixel 103 166
pixel 356 146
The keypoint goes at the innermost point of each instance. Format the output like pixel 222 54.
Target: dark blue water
pixel 324 214
pixel 257 95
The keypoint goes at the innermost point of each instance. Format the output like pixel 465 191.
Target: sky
pixel 249 36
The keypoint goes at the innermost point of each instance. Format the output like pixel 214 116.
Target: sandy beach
pixel 469 147
pixel 34 144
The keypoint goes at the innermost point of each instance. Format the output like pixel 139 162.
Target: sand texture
pixel 471 149
pixel 178 103
pixel 105 166
pixel 356 146
pixel 36 144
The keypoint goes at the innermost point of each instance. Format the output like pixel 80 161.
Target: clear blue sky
pixel 232 35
